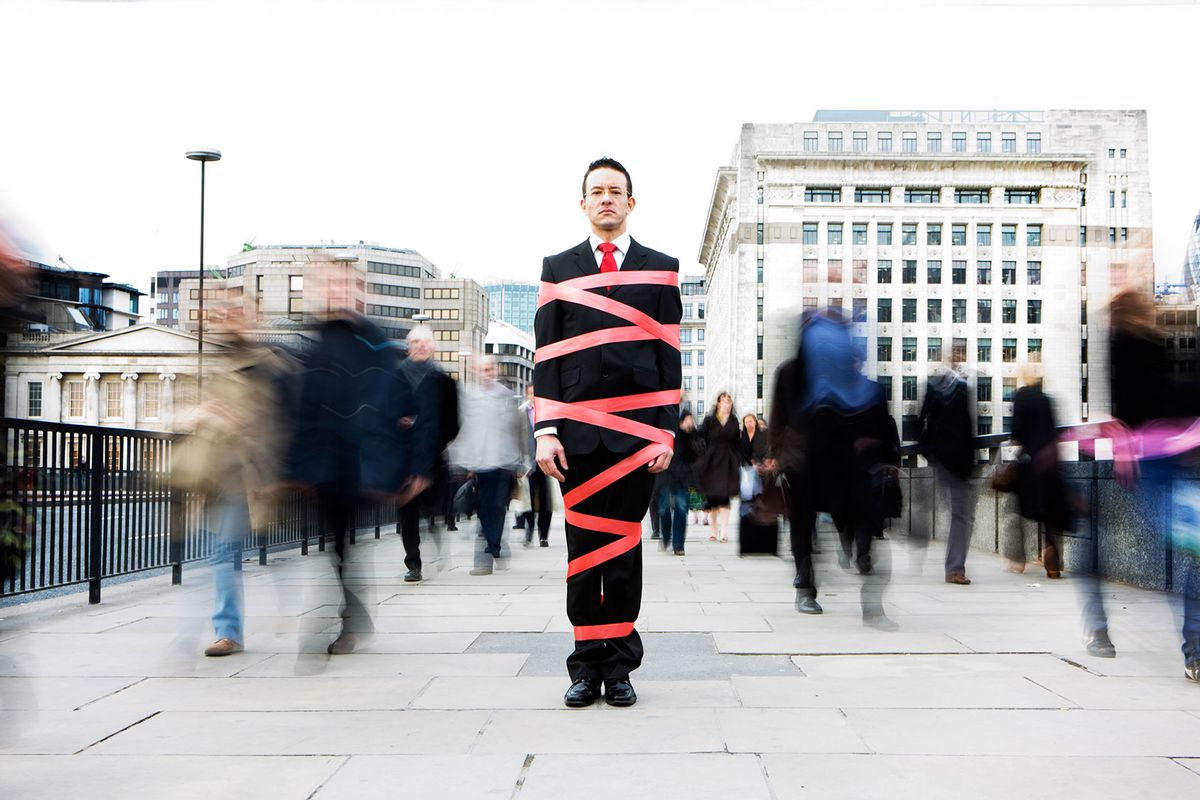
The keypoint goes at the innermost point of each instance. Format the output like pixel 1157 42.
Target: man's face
pixel 607 201
pixel 420 350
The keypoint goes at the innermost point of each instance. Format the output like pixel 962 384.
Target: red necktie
pixel 609 262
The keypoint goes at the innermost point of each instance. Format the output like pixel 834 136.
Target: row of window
pixel 693 312
pixel 685 334
pixel 884 352
pixel 859 234
pixel 394 269
pixel 933 310
pixel 922 195
pixel 375 310
pixel 441 294
pixel 394 291
pixel 112 398
pixel 834 142
pixel 687 384
pixel 933 272
pixel 687 357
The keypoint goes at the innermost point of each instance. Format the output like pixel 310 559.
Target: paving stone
pixel 546 693
pixel 266 694
pixel 693 776
pixel 974 691
pixel 429 777
pixel 620 730
pixel 58 694
pixel 789 730
pixel 380 665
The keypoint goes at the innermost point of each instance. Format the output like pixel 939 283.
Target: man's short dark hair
pixel 608 163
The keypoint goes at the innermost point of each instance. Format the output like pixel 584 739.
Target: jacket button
pixel 603 374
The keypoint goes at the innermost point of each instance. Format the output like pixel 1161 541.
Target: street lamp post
pixel 203 156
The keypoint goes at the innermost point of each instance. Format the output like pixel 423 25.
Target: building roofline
pixel 726 176
pixel 999 159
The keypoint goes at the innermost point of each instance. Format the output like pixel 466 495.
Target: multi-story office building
pixel 164 291
pixel 281 286
pixel 514 302
pixel 990 238
pixel 692 346
pixel 1175 314
pixel 513 350
pixel 63 300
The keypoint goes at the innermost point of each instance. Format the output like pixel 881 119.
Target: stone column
pixel 11 400
pixel 166 401
pixel 52 398
pixel 91 398
pixel 130 398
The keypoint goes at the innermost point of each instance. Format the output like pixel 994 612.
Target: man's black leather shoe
pixel 619 693
pixel 581 694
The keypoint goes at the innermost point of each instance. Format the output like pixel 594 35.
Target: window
pixel 1008 273
pixel 933 142
pixel 1124 234
pixel 1021 197
pixel 934 349
pixel 759 233
pixel 113 393
pixel 983 142
pixel 295 305
pixel 1124 204
pixel 983 235
pixel 908 142
pixel 151 399
pixel 835 270
pixel 1112 198
pixel 908 234
pixel 809 303
pixel 295 283
pixel 810 270
pixel 835 141
pixel 700 385
pixel 1123 152
pixel 922 195
pixel 958 141
pixel 35 398
pixel 958 234
pixel 983 390
pixel 442 294
pixel 909 273
pixel 1033 235
pixel 1112 235
pixel 883 271
pixel 908 387
pixel 810 233
pixel 883 310
pixel 760 270
pixel 1007 389
pixel 958 272
pixel 908 309
pixel 1008 350
pixel 933 310
pixel 958 350
pixel 1033 143
pixel 977 197
pixel 74 398
pixel 958 310
pixel 983 350
pixel 858 233
pixel 687 310
pixel 822 194
pixel 1112 152
pixel 1008 235
pixel 687 358
pixel 1033 272
pixel 983 312
pixel 687 383
pixel 859 274
pixel 394 291
pixel 1008 142
pixel 403 270
pixel 434 313
pixel 1008 311
pixel 760 309
pixel 872 195
pixel 810 141
pixel 933 233
pixel 883 349
pixel 446 336
pixel 983 425
pixel 859 309
pixel 885 142
pixel 1034 350
pixel 933 272
pixel 1033 312
pixel 885 382
pixel 685 335
pixel 860 141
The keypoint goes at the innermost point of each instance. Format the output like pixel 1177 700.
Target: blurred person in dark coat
pixel 945 432
pixel 435 400
pixel 717 468
pixel 1041 491
pixel 352 445
pixel 831 435
pixel 673 485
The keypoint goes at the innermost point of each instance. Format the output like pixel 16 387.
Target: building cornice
pixel 725 181
pixel 1002 160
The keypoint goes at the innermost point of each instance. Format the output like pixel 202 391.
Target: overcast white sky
pixel 461 128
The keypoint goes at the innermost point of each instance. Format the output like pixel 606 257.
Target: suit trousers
pixel 539 500
pixel 611 591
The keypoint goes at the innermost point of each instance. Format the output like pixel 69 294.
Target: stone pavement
pixel 984 692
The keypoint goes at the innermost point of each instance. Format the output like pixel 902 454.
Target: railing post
pixel 178 531
pixel 378 519
pixel 302 521
pixel 95 516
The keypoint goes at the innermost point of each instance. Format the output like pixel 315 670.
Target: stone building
pixel 513 350
pixel 990 237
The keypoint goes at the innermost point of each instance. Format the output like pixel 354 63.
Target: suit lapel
pixel 585 260
pixel 636 257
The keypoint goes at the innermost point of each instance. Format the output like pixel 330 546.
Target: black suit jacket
pixel 611 370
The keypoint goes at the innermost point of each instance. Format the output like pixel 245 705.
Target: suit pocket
pixel 646 377
pixel 570 377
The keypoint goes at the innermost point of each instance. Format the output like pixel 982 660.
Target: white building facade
pixel 693 347
pixel 992 239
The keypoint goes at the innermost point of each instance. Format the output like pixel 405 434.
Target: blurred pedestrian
pixel 435 400
pixel 946 434
pixel 754 447
pixel 674 483
pixel 717 468
pixel 541 506
pixel 1041 490
pixel 494 448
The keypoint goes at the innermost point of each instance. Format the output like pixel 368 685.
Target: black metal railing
pixel 94 503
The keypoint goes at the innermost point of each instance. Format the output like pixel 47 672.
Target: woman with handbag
pixel 718 466
pixel 1041 491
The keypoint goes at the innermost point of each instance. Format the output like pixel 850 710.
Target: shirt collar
pixel 622 242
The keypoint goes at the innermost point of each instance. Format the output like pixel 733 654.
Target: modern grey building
pixel 993 237
pixel 513 302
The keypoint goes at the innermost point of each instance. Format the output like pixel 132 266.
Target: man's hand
pixel 550 448
pixel 663 461
pixel 414 487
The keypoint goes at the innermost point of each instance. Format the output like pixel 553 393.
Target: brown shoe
pixel 223 647
pixel 342 645
pixel 959 578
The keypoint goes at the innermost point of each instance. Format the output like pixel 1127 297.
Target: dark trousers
pixel 539 501
pixel 495 488
pixel 802 519
pixel 609 592
pixel 337 514
pixel 410 534
pixel 672 510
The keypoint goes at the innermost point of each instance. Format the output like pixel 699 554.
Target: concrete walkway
pixel 984 692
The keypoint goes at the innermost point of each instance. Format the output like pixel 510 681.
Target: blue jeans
pixel 495 489
pixel 233 523
pixel 672 512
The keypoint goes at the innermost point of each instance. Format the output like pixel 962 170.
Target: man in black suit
pixel 606 409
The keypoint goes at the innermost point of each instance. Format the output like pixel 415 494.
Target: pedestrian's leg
pixel 802 520
pixel 410 534
pixel 959 538
pixel 678 519
pixel 233 523
pixel 339 516
pixel 664 507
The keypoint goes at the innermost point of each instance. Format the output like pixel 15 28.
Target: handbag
pixel 466 499
pixel 749 483
pixel 1004 477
